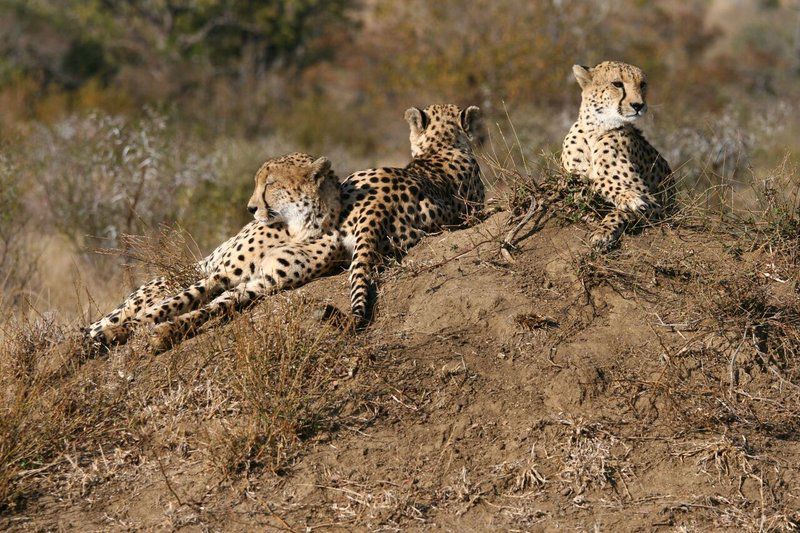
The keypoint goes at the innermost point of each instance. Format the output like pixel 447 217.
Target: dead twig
pixel 168 482
pixel 507 242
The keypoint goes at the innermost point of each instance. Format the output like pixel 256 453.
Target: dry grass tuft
pixel 723 458
pixel 170 251
pixel 281 378
pixel 593 457
pixel 46 408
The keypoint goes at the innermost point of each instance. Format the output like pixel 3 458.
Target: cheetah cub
pixel 293 239
pixel 388 210
pixel 605 148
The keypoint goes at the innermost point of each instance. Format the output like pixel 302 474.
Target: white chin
pixel 614 121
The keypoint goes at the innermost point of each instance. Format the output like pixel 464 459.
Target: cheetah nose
pixel 252 209
pixel 637 106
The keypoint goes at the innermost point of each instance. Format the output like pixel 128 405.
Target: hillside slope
pixel 652 388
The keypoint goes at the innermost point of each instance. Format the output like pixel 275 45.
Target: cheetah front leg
pixel 285 267
pixel 188 299
pixel 116 326
pixel 629 205
pixel 186 325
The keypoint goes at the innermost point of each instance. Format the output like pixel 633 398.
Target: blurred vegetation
pixel 120 116
pixel 17 265
pixel 140 51
pixel 241 66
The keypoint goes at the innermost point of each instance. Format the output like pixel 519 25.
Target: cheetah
pixel 605 148
pixel 292 239
pixel 388 210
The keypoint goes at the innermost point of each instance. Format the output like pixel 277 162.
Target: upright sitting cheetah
pixel 605 148
pixel 388 210
pixel 292 240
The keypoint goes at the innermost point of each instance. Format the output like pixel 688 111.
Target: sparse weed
pixel 281 379
pixel 44 408
pixel 593 457
pixel 170 252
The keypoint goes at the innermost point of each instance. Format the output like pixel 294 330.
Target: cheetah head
pixel 298 190
pixel 613 93
pixel 442 126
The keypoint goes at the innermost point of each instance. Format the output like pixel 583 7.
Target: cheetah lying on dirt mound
pixel 606 149
pixel 388 210
pixel 292 240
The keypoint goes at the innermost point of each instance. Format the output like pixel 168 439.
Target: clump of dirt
pixel 653 388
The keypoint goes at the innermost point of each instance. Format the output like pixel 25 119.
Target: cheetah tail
pixel 361 268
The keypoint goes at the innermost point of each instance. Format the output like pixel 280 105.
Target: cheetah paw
pixel 635 202
pixel 162 337
pixel 602 240
pixel 94 342
pixel 117 334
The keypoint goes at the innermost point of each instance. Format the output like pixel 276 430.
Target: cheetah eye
pixel 617 84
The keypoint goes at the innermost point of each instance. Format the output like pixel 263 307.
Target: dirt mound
pixel 650 389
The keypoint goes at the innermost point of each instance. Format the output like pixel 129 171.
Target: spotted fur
pixel 292 240
pixel 605 148
pixel 387 210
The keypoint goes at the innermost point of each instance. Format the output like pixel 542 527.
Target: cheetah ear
pixel 470 118
pixel 416 118
pixel 583 74
pixel 319 169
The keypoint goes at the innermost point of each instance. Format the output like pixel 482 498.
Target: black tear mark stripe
pixel 619 109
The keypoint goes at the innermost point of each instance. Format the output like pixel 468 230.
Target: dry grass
pixel 593 456
pixel 168 251
pixel 49 411
pixel 281 376
pixel 252 390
